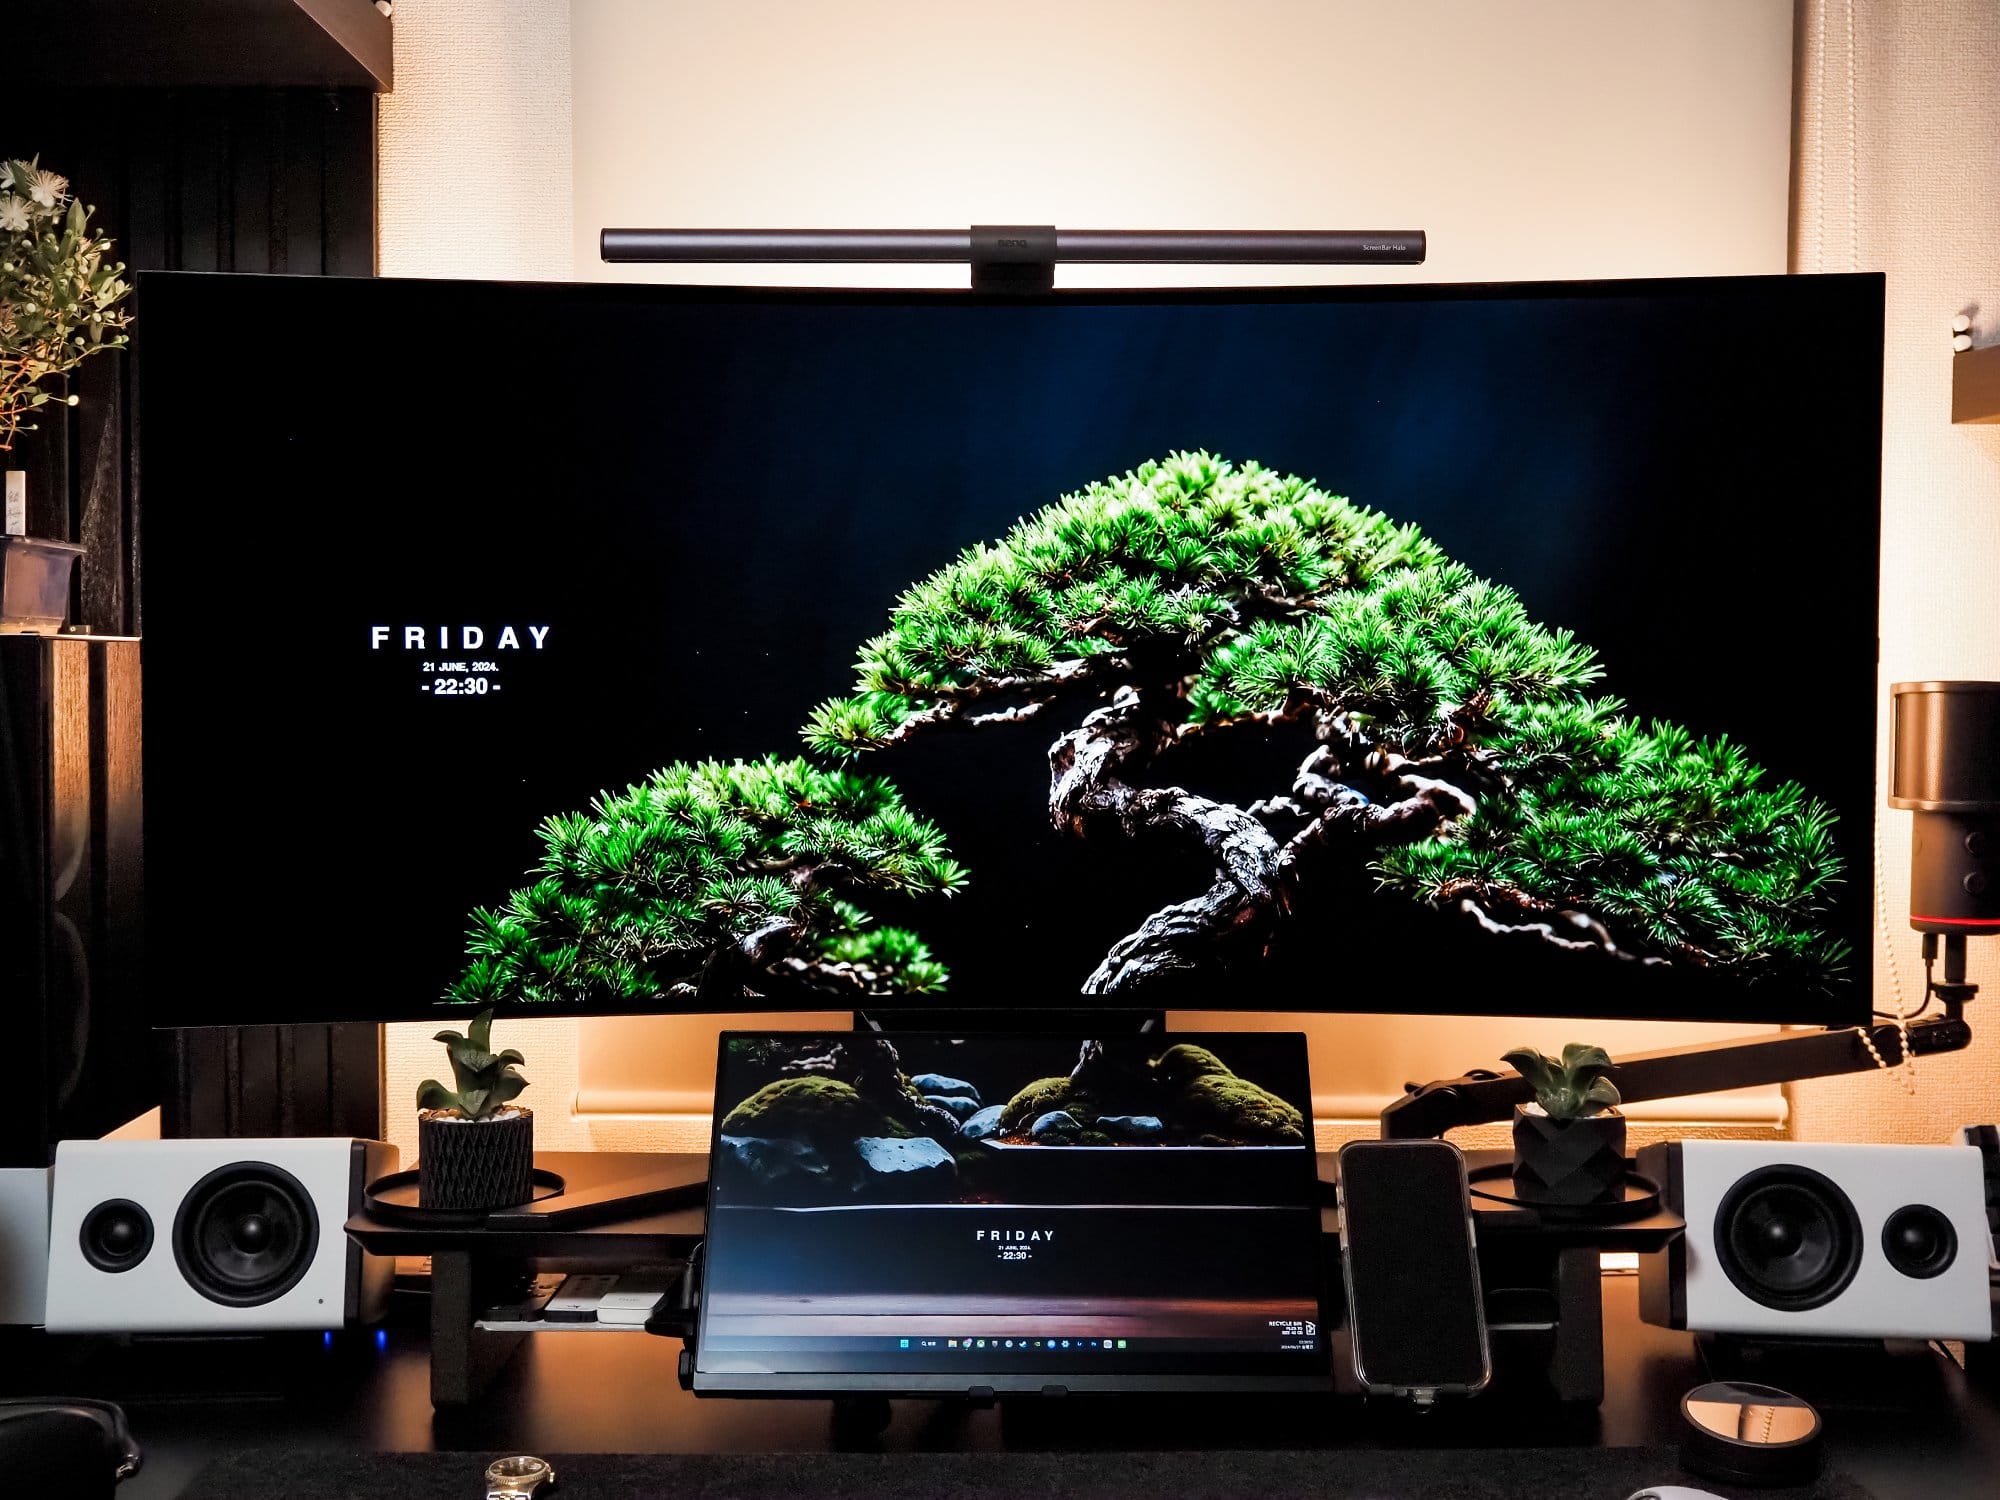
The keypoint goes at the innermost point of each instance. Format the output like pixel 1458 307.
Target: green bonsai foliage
pixel 716 881
pixel 1171 561
pixel 1569 1087
pixel 1461 754
pixel 486 1079
pixel 810 1108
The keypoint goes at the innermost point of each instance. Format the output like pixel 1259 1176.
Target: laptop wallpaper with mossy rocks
pixel 1082 1203
pixel 1403 651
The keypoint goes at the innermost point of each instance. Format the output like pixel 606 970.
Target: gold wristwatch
pixel 516 1478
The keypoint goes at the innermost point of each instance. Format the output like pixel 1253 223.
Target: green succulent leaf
pixel 1531 1065
pixel 486 1080
pixel 1570 1086
pixel 433 1095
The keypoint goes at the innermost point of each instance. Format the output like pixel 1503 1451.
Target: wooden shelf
pixel 204 43
pixel 1975 385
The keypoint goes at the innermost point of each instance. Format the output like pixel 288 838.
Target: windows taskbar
pixel 1086 1352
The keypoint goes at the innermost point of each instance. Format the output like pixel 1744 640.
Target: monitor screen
pixel 1502 649
pixel 939 1213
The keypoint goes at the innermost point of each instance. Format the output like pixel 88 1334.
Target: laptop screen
pixel 938 1213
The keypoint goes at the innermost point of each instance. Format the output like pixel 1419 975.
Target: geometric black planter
pixel 1571 1162
pixel 473 1164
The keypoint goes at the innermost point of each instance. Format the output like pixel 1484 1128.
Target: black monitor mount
pixel 1015 258
pixel 1777 1057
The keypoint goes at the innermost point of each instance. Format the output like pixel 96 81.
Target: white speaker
pixel 24 1244
pixel 228 1236
pixel 1803 1240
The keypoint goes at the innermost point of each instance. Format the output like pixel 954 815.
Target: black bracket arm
pixel 1779 1057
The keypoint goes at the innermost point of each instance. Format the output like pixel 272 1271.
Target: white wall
pixel 1899 160
pixel 1530 138
pixel 474 176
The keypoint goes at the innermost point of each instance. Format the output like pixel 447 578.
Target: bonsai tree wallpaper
pixel 1385 648
pixel 1456 755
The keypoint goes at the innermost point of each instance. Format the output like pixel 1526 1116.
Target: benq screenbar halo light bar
pixel 1016 257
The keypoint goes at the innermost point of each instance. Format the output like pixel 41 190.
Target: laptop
pixel 929 1214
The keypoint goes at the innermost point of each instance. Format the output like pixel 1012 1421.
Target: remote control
pixel 577 1300
pixel 527 1307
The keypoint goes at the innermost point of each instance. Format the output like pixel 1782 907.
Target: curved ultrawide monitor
pixel 620 648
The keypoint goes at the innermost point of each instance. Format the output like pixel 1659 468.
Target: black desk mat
pixel 1339 1474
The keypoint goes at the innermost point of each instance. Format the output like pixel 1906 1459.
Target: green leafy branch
pixel 59 295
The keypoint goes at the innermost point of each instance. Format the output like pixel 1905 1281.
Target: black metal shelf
pixel 470 1265
pixel 205 43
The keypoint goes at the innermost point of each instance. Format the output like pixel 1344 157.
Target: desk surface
pixel 1927 1432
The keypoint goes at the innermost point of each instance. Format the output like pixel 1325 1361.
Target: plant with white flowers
pixel 59 295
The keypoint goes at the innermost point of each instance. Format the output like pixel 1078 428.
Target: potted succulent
pixel 1569 1141
pixel 475 1145
pixel 59 304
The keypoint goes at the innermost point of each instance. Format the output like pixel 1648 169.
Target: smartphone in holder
pixel 1414 1313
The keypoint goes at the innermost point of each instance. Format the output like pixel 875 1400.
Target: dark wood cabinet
pixel 71 804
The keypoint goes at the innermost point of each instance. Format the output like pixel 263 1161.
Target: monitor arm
pixel 1778 1057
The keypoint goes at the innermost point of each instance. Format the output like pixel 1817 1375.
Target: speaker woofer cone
pixel 246 1234
pixel 1788 1238
pixel 116 1235
pixel 1918 1241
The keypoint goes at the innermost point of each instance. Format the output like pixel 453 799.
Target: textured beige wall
pixel 475 141
pixel 1898 165
pixel 1531 138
